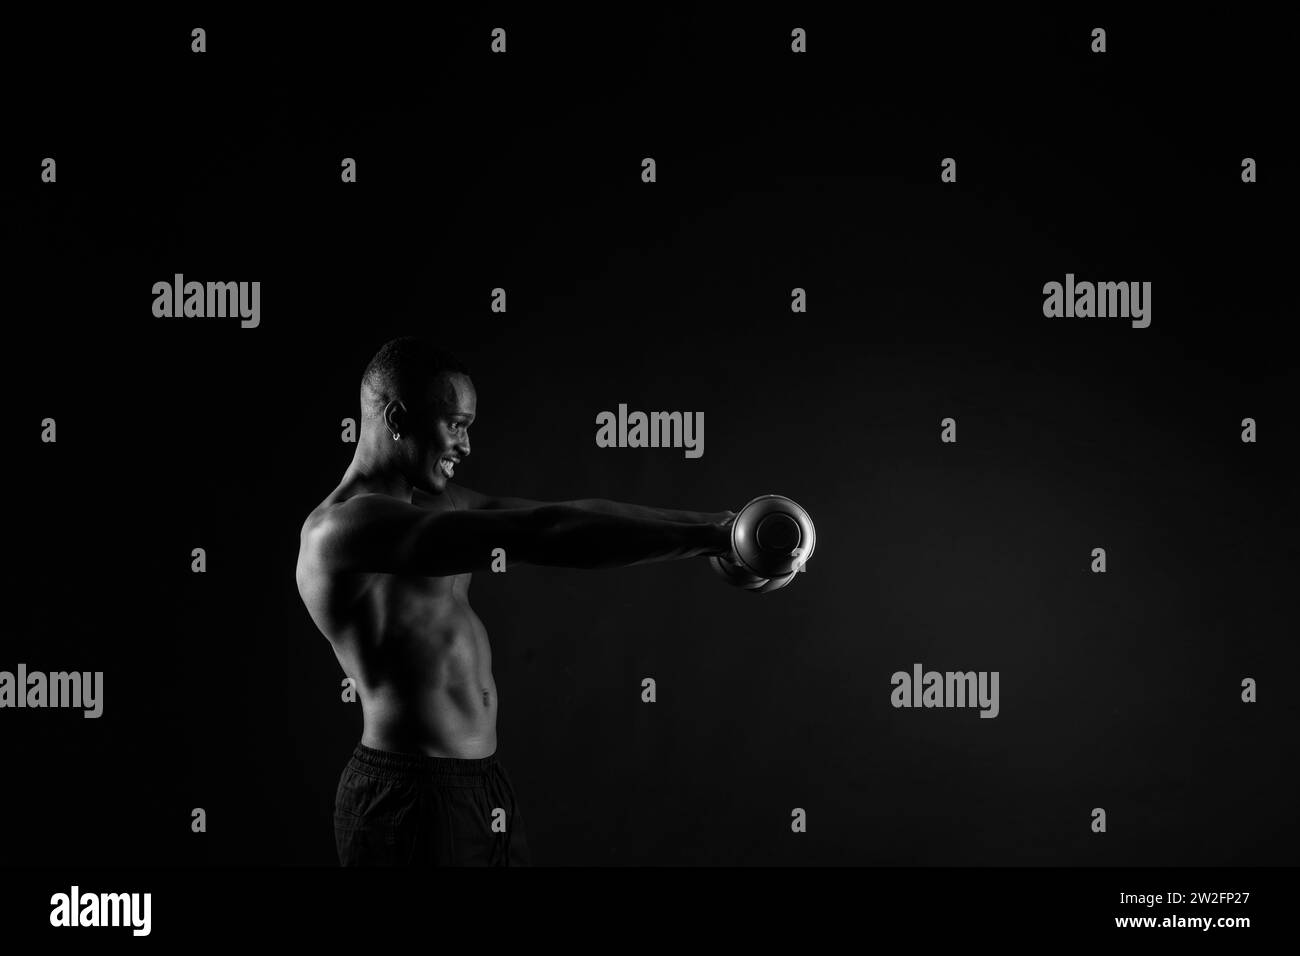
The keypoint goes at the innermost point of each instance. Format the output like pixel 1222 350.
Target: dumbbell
pixel 772 539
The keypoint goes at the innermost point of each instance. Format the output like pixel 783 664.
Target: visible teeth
pixel 448 467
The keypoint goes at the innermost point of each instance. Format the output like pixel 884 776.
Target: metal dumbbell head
pixel 772 537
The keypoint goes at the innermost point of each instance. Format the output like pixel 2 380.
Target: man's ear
pixel 395 416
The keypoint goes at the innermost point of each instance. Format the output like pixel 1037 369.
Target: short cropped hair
pixel 405 368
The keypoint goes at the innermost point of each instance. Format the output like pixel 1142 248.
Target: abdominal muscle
pixel 423 669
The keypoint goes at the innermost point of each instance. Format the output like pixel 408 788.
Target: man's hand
pixel 724 519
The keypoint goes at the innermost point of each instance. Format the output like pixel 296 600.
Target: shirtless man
pixel 384 566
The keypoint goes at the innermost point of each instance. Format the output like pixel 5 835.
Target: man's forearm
pixel 622 509
pixel 574 536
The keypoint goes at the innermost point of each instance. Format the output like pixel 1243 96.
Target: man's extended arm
pixel 473 500
pixel 379 534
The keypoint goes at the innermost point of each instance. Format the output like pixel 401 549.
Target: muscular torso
pixel 418 652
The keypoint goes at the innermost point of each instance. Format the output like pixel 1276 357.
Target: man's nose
pixel 462 446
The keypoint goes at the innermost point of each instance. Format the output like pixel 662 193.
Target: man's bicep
pixel 476 501
pixel 396 538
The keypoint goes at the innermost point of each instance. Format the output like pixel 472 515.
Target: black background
pixel 522 171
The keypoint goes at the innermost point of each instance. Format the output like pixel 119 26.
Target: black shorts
pixel 399 809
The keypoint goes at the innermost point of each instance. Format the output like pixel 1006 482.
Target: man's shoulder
pixel 336 514
pixel 329 535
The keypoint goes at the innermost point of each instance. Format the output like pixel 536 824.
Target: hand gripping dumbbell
pixel 772 538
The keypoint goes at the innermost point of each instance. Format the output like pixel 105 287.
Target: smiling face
pixel 439 432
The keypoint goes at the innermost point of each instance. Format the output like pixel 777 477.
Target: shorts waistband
pixel 390 763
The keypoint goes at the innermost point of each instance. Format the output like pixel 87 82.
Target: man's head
pixel 417 405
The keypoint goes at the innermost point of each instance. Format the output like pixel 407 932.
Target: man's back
pixel 418 652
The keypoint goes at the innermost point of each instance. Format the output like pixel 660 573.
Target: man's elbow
pixel 532 533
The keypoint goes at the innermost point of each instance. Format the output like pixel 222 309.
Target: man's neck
pixel 376 477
